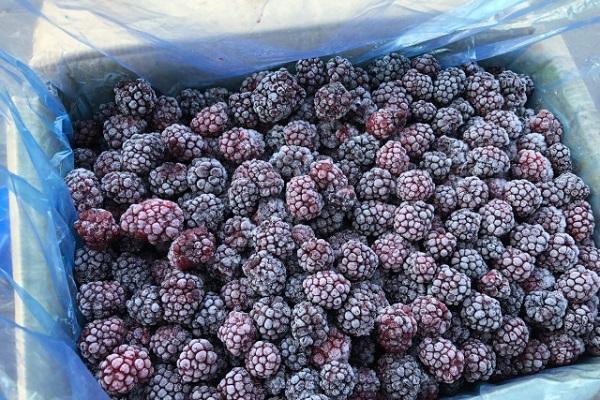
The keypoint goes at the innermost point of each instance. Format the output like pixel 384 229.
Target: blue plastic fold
pixel 61 57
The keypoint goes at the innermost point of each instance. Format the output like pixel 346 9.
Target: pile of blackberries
pixel 395 231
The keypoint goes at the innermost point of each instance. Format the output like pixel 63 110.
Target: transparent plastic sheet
pixel 75 51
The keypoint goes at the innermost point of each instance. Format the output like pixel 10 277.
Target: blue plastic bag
pixel 59 56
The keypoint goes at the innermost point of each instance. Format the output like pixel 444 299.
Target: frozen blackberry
pixel 464 224
pixel 197 361
pixel 432 316
pixel 546 123
pixel 396 328
pixel 483 92
pixel 263 359
pixel 551 194
pixel 444 199
pixel 361 149
pixel 266 274
pixel 465 108
pixel 490 247
pixel 124 369
pixel 560 158
pixel 142 152
pixel 99 337
pixel 84 188
pixel 168 179
pixel 97 228
pixel 589 257
pixel 456 150
pixel 212 120
pixel 241 110
pixel 471 192
pixel 579 219
pixel 238 384
pixel 450 286
pixel 367 385
pixel 311 74
pixel 215 95
pixel 515 264
pixel 302 384
pixel 578 284
pixel 205 210
pixel 376 184
pixel 91 265
pixel 343 198
pixel 487 161
pixel 592 341
pixel 181 294
pixel 532 239
pixel 192 248
pixel 264 176
pixel 181 143
pixel 357 315
pixel 207 175
pixel 166 383
pixel 108 161
pixel 458 332
pixel 315 255
pixel 481 313
pixel 276 96
pixel 100 299
pixel 123 187
pixel 533 359
pixel 469 261
pixel 240 144
pixel 292 160
pixel 494 284
pixel 309 324
pixel 437 164
pixel 332 101
pixel 422 111
pixel 144 305
pixel 293 356
pixel 302 233
pixel 303 200
pixel 105 111
pixel 269 208
pixel 479 134
pixel 573 187
pixel 480 360
pixel 420 267
pixel 373 218
pixel 271 316
pixel 301 133
pixel 545 309
pixel 351 170
pixel 274 236
pixel 119 128
pixel 392 250
pixel 361 107
pixel 243 197
pixel 337 379
pixel 442 358
pixel 513 303
pixel 532 141
pixel 414 185
pixel 238 295
pixel 237 333
pixel 401 377
pixel 165 112
pixel 513 88
pixel 416 139
pixel 327 175
pixel 561 253
pixel 210 315
pixel 357 261
pixel 523 196
pixel 191 101
pixel 579 319
pixel 448 84
pixel 539 279
pixel 564 349
pixel 135 97
pixel 84 158
pixel 511 338
pixel 507 120
pixel 155 220
pixel 532 165
pixel 388 68
pixel 249 83
pixel 327 289
pixel 426 64
pixel 446 121
pixel 418 85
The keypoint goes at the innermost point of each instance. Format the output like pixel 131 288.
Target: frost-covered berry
pixel 99 337
pixel 100 299
pixel 97 228
pixel 464 224
pixel 442 358
pixel 561 253
pixel 546 123
pixel 487 162
pixel 420 267
pixel 292 160
pixel 432 316
pixel 135 97
pixel 181 143
pixel 413 220
pixel 155 220
pixel 144 306
pixel 511 337
pixel 532 239
pixel 309 324
pixel 142 152
pixel 194 247
pixel 276 96
pixel 414 185
pixel 545 309
pixel 515 264
pixel 497 217
pixel 197 361
pixel 238 384
pixel 450 286
pixel 124 369
pixel 564 349
pixel 396 328
pixel 494 284
pixel 303 199
pixel 212 120
pixel 361 149
pixel 332 101
pixel 578 284
pixel 315 255
pixel 204 210
pixel 240 144
pixel 180 294
pixel 523 196
pixel 84 188
pixel 534 358
pixel 123 187
pixel 266 274
pixel 480 360
pixel 237 333
pixel 357 261
pixel 481 313
pixel 302 384
pixel 401 377
pixel 271 317
pixel 392 250
pixel 274 236
pixel 579 219
pixel 209 316
pixel 168 179
pixel 207 175
pixel 327 289
pixel 392 157
pixel 337 379
pixel 533 166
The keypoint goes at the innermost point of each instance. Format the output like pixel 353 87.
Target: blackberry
pixel 274 137
pixel 442 358
pixel 271 316
pixel 181 294
pixel 437 164
pixel 487 162
pixel 592 341
pixel 383 123
pixel 561 253
pixel 135 97
pixel 589 257
pixel 243 197
pixel 91 265
pixel 303 200
pixel 546 123
pixel 194 247
pixel 388 68
pixel 578 284
pixel 238 295
pixel 422 111
pixel 559 156
pixel 203 211
pixel 329 221
pixel 293 356
pixel 181 143
pixel 416 139
pixel 238 384
pixel 263 175
pixel 144 306
pixel 159 269
pixel 197 361
pixel 469 261
pixel 361 149
pixel 456 150
pixel 414 185
pixel 343 198
pixel 481 313
pixel 539 279
pixel 448 84
pixel 292 160
pixel 450 286
pixel 351 170
pixel 564 349
pixel 401 377
pixel 119 128
pixel 483 92
pixel 263 359
pixel 100 299
pixel 123 187
pixel 270 208
pixel 480 360
pixel 396 328
pixel 464 224
pixel 311 74
pixel 392 250
pixel 515 264
pixel 301 133
pixel 274 236
pixel 191 101
pixel 142 152
pixel 84 158
pixel 579 319
pixel 166 384
pixel 465 108
pixel 108 161
pixel 523 196
pixel 511 338
pixel 579 219
pixel 361 107
pixel 490 247
pixel 99 337
pixel 154 220
pixel 168 179
pixel 534 358
pixel 332 101
pixel 513 89
pixel 532 141
pixel 356 261
pixel 357 315
pixel 494 284
pixel 446 121
pixel 105 110
pixel 249 83
pixel 327 175
pixel 444 199
pixel 532 165
pixel 97 228
pixel 432 316
pixel 367 385
pixel 412 221
pixel 166 112
pixel 266 274
pixel 551 194
pixel 315 255
pixel 335 348
pixel 337 379
pixel 545 309
pixel 426 64
pixel 239 144
pixel 309 324
pixel 237 332
pixel 392 157
pixel 471 192
pixel 418 85
pixel 458 332
pixel 420 267
pixel 507 120
pixel 124 369
pixel 302 233
pixel 84 188
pixel 532 239
pixel 574 187
pixel 210 315
pixel 207 175
pixel 212 120
pixel 302 384
pixel 479 134
pixel 276 96
pixel 241 110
